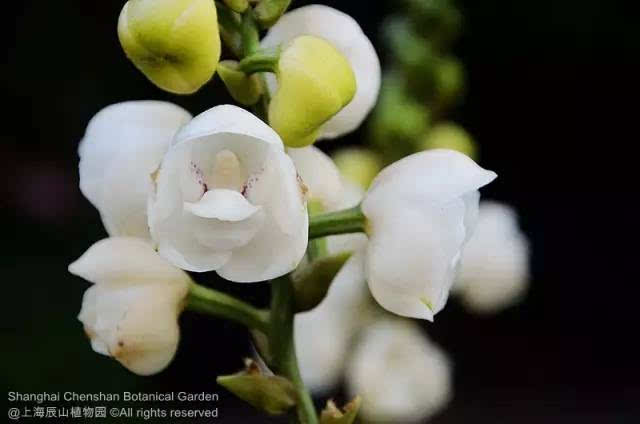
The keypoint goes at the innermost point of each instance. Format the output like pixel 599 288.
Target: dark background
pixel 551 100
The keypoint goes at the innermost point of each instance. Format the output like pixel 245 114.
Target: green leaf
pixel 311 281
pixel 270 393
pixel 332 415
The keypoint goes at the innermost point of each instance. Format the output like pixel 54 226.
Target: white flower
pixel 347 37
pixel 421 211
pixel 494 266
pixel 400 374
pixel 131 311
pixel 323 334
pixel 227 198
pixel 122 146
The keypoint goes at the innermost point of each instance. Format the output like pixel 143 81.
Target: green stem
pixel 283 346
pixel 209 301
pixel 250 33
pixel 340 222
pixel 260 61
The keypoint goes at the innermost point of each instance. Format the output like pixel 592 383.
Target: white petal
pixel 320 175
pixel 494 266
pixel 321 348
pixel 137 325
pixel 195 243
pixel 228 119
pixel 439 175
pixel 400 374
pixel 122 146
pixel 346 35
pixel 412 257
pixel 281 243
pixel 225 205
pixel 126 261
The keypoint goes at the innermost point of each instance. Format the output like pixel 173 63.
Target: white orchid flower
pixel 420 213
pixel 227 198
pixel 123 144
pixel 323 335
pixel 131 312
pixel 400 374
pixel 347 37
pixel 494 269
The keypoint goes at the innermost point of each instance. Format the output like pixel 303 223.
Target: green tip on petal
pixel 426 302
pixel 315 82
pixel 174 43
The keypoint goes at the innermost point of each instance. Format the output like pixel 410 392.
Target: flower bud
pixel 237 5
pixel 358 165
pixel 245 89
pixel 315 82
pixel 131 311
pixel 450 136
pixel 175 43
pixel 344 33
pixel 269 11
pixel 401 375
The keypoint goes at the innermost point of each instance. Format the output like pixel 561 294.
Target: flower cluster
pixel 248 195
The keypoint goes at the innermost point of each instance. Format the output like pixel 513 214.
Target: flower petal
pixel 440 175
pixel 282 241
pixel 347 37
pixel 122 146
pixel 319 174
pixel 126 261
pixel 494 268
pixel 222 204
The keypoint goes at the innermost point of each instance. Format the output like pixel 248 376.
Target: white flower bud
pixel 399 373
pixel 421 211
pixel 227 198
pixel 122 146
pixel 131 311
pixel 494 269
pixel 347 37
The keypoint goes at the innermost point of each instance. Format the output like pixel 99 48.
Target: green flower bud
pixel 269 11
pixel 450 136
pixel 449 81
pixel 315 82
pixel 237 5
pixel 245 89
pixel 398 121
pixel 358 165
pixel 174 43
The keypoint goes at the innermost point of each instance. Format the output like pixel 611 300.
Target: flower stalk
pixel 282 344
pixel 212 302
pixel 339 222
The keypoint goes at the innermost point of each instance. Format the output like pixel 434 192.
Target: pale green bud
pixel 237 5
pixel 315 82
pixel 450 136
pixel 245 89
pixel 449 81
pixel 174 43
pixel 358 165
pixel 269 11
